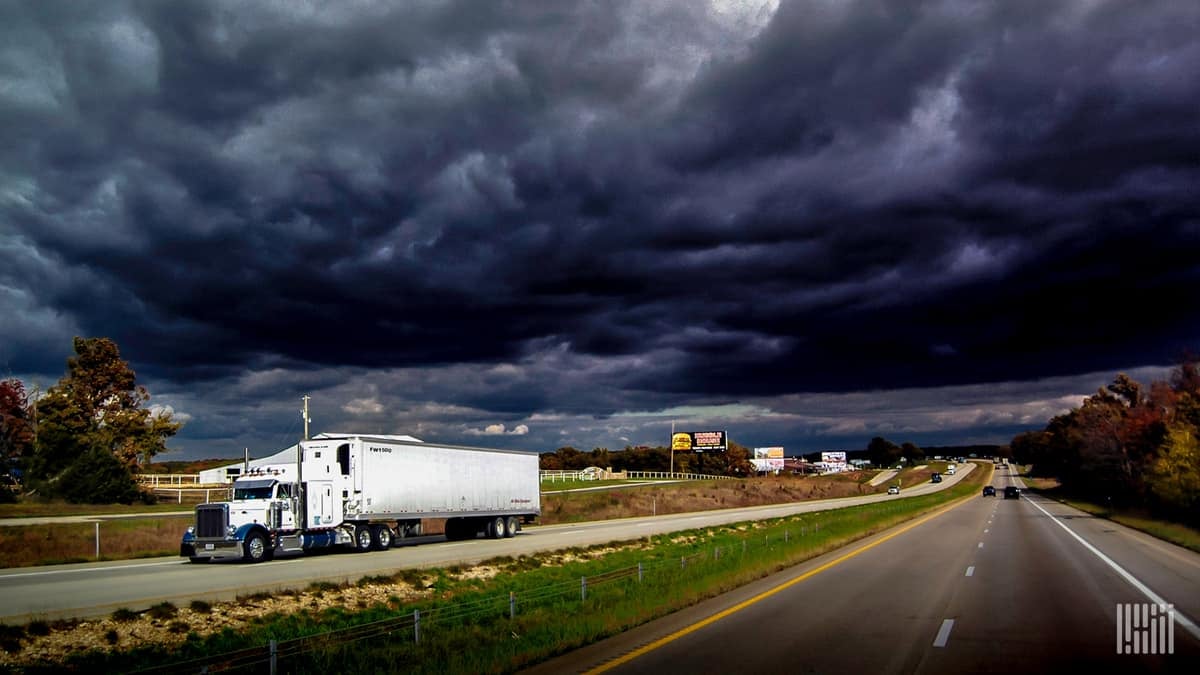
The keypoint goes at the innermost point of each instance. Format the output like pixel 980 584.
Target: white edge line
pixel 88 569
pixel 1180 618
pixel 971 571
pixel 943 634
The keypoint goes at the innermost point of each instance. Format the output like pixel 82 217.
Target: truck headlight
pixel 231 530
pixel 191 529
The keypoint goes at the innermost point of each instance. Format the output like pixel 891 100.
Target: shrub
pixel 163 610
pixel 201 607
pixel 124 614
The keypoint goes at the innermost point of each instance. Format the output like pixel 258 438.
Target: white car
pixel 893 490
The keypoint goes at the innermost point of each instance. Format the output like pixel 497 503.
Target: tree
pixel 883 452
pixel 16 427
pixel 1175 475
pixel 912 453
pixel 94 413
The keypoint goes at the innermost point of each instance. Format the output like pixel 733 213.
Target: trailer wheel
pixel 495 528
pixel 381 536
pixel 362 538
pixel 255 548
pixel 511 525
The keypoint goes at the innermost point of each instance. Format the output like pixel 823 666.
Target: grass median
pixel 531 608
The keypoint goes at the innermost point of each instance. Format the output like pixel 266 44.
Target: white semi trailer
pixel 362 493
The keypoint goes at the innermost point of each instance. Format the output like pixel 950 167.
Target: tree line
pixel 1128 444
pixel 83 440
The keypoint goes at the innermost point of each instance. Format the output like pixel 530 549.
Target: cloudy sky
pixel 536 224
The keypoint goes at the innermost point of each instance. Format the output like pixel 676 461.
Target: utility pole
pixel 304 414
pixel 672 446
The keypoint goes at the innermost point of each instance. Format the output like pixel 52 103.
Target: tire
pixel 511 526
pixel 363 541
pixel 255 549
pixel 495 528
pixel 381 537
pixel 453 529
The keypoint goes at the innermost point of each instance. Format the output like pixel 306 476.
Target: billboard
pixel 775 452
pixel 699 441
pixel 767 464
pixel 833 457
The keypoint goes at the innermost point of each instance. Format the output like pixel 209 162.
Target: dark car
pixel 1012 492
pixel 936 478
pixel 989 491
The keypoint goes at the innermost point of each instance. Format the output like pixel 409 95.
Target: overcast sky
pixel 537 224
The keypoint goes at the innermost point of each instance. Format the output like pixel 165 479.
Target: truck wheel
pixel 362 538
pixel 381 536
pixel 255 548
pixel 511 526
pixel 495 528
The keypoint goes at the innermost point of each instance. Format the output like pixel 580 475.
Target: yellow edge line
pixel 663 641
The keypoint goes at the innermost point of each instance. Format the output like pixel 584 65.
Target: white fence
pixel 555 476
pixel 157 479
pixel 194 495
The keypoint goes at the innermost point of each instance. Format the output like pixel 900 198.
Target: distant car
pixel 936 478
pixel 893 490
pixel 1012 492
pixel 989 491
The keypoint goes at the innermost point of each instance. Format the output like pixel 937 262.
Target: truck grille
pixel 211 520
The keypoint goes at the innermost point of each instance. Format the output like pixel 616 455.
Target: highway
pixel 96 589
pixel 989 585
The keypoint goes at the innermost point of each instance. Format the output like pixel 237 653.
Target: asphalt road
pixel 96 589
pixel 990 585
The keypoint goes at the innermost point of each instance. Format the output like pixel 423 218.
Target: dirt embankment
pixel 570 507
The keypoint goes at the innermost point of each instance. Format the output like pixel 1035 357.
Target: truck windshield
pixel 253 489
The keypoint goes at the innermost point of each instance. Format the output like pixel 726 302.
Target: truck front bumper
pixel 216 549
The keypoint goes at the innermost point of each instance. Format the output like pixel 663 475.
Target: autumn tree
pixel 16 427
pixel 1175 473
pixel 93 423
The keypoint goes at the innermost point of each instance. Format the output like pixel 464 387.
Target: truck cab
pixel 264 506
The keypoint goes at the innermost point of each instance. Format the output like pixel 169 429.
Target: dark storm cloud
pixel 671 203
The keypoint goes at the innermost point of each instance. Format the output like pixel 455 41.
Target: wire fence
pixel 423 623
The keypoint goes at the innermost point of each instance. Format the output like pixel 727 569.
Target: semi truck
pixel 362 493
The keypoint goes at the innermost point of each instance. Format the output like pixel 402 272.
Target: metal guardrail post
pixel 274 657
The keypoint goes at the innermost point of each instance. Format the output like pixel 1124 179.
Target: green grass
pixel 1176 533
pixel 33 509
pixel 466 627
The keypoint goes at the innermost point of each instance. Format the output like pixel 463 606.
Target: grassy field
pixel 27 545
pixel 29 509
pixel 528 609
